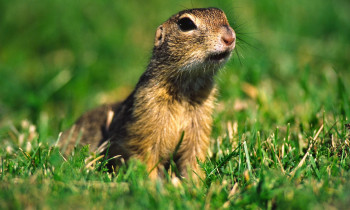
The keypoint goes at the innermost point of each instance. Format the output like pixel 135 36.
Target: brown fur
pixel 175 94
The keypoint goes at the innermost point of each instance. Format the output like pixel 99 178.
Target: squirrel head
pixel 194 39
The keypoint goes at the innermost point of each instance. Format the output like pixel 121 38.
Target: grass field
pixel 281 130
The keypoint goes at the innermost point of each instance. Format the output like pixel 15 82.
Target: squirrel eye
pixel 186 24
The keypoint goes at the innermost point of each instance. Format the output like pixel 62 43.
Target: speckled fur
pixel 175 94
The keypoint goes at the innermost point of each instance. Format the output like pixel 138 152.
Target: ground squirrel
pixel 174 97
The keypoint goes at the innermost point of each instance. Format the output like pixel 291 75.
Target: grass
pixel 281 126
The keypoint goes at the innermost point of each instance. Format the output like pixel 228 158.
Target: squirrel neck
pixel 192 86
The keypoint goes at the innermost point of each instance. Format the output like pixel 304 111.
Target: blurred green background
pixel 59 58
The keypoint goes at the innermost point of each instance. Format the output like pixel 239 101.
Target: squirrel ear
pixel 159 36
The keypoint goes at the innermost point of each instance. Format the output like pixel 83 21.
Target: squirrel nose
pixel 228 37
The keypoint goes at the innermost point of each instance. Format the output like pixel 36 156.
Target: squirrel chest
pixel 160 120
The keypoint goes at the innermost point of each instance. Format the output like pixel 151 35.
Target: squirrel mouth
pixel 218 56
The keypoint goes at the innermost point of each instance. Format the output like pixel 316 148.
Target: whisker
pixel 238 56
